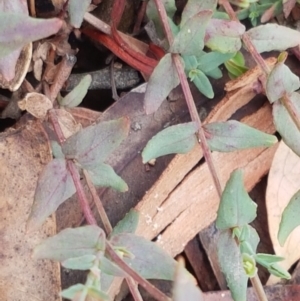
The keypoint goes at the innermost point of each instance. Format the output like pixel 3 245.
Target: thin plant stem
pixel 134 289
pixel 98 203
pixel 256 283
pixel 156 293
pixel 57 129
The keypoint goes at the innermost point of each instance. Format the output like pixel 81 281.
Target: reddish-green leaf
pixel 163 79
pixel 232 135
pixel 184 286
pixel 290 218
pixel 104 175
pixel 146 256
pixel 77 10
pixel 284 123
pixel 236 208
pixel 281 81
pixel 224 35
pixel 55 185
pixel 273 37
pixel 231 264
pixel 190 39
pixel 72 243
pixel 175 139
pixel 93 144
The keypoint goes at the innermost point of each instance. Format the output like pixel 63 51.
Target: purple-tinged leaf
pixel 176 139
pixel 273 37
pixel 93 144
pixel 185 286
pixel 75 97
pixel 55 185
pixel 190 39
pixel 281 81
pixel 110 268
pixel 77 10
pixel 290 218
pixel 193 7
pixel 104 175
pixel 231 263
pixel 146 256
pixel 128 224
pixel 233 135
pixel 284 123
pixel 224 35
pixel 17 30
pixel 163 79
pixel 83 263
pixel 72 243
pixel 236 208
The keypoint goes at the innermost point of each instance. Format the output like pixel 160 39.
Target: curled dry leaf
pixel 283 182
pixel 36 104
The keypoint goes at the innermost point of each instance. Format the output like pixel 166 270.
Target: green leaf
pixel 73 291
pixel 146 256
pixel 248 239
pixel 163 79
pixel 280 81
pixel 224 35
pixel 184 285
pixel 71 243
pixel 84 262
pixel 75 97
pixel 179 138
pixel 77 10
pixel 271 37
pixel 231 263
pixel 285 125
pixel 267 259
pixel 216 73
pixel 236 207
pixel 56 150
pixel 278 271
pixel 232 135
pixel 97 295
pixel 190 62
pixel 202 83
pixel 103 175
pixel 236 65
pixel 249 265
pixel 55 185
pixel 128 224
pixel 210 61
pixel 108 267
pixel 193 7
pixel 190 38
pixel 93 144
pixel 17 30
pixel 290 218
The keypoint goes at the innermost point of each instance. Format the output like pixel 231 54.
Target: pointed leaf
pixel 160 83
pixel 290 218
pixel 73 291
pixel 103 175
pixel 231 264
pixel 194 7
pixel 278 271
pixel 174 139
pixel 75 97
pixel 271 37
pixel 146 256
pixel 236 207
pixel 55 185
pixel 280 81
pixel 232 135
pixel 71 243
pixel 77 10
pixel 128 224
pixel 184 285
pixel 17 30
pixel 190 38
pixel 56 150
pixel 267 258
pixel 224 35
pixel 285 125
pixel 93 144
pixel 108 267
pixel 249 243
pixel 202 83
pixel 83 263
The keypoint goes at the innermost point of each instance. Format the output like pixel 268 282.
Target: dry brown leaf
pixel 283 183
pixel 68 124
pixel 24 152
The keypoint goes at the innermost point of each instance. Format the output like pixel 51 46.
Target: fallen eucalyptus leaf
pixel 163 79
pixel 55 185
pixel 179 138
pixel 233 135
pixel 236 208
